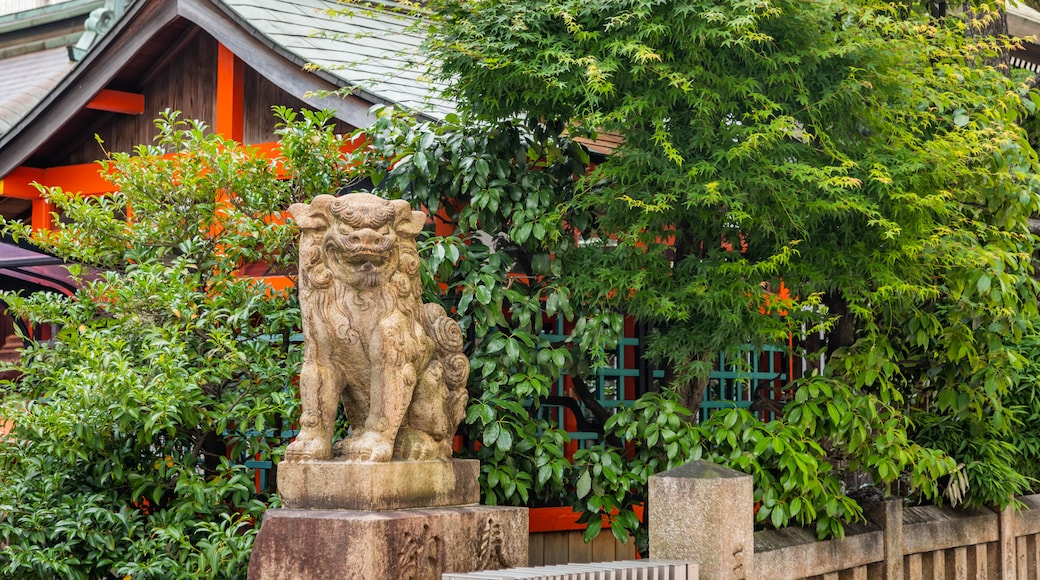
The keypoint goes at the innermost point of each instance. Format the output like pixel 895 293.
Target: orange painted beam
pixel 271 149
pixel 231 73
pixel 562 519
pixel 118 102
pixel 19 183
pixel 85 178
pixel 42 218
pixel 278 283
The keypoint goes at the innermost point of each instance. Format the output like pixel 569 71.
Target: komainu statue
pixel 394 363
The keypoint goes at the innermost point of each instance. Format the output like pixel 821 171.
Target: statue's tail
pixel 447 339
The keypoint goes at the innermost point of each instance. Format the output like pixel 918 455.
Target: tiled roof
pixel 367 50
pixel 370 50
pixel 26 79
pixel 296 44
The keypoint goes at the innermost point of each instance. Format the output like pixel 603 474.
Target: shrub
pixel 169 368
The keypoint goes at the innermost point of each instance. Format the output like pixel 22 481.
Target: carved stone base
pixel 378 486
pixel 416 544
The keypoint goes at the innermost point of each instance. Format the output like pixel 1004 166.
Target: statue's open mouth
pixel 368 260
pixel 357 253
pixel 359 245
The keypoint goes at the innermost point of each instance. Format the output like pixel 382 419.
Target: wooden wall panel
pixel 260 96
pixel 187 83
pixel 569 547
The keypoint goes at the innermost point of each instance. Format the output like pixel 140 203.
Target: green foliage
pixel 825 139
pixel 999 453
pixel 168 368
pixel 795 482
pixel 1025 401
pixel 611 481
pixel 865 156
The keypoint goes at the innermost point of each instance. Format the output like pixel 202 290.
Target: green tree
pixel 861 153
pixel 169 368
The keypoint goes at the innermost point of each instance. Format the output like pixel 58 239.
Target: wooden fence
pixel 896 542
pixel 912 543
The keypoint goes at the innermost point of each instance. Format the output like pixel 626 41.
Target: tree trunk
pixel 843 333
pixel 691 393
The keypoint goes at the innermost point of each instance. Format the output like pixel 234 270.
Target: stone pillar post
pixel 888 515
pixel 704 513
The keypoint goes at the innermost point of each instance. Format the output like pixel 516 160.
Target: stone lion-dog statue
pixel 395 364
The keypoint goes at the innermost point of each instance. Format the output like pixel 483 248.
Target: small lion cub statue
pixel 370 343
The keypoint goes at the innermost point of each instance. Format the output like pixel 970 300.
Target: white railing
pixel 624 570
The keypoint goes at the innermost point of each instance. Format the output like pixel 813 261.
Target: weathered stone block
pixel 704 513
pixel 392 545
pixel 378 486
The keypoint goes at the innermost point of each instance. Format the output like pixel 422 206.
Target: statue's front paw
pixel 308 449
pixel 366 447
pixel 414 445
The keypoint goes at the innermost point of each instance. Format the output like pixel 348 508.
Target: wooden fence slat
pixel 1022 564
pixel 556 548
pixel 536 549
pixel 1030 556
pixel 935 566
pixel 1036 555
pixel 959 564
pixel 628 551
pixel 977 561
pixel 603 548
pixel 994 561
pixel 914 567
pixel 578 551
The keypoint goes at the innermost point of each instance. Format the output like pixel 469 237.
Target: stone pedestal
pixel 415 544
pixel 703 512
pixel 402 520
pixel 378 486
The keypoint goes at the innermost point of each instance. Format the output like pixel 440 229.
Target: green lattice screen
pixel 732 383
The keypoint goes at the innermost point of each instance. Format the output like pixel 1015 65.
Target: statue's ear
pixel 408 223
pixel 312 216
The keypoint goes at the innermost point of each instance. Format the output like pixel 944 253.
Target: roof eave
pixel 78 87
pixel 142 21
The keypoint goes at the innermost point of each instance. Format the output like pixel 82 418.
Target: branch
pixel 1034 225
